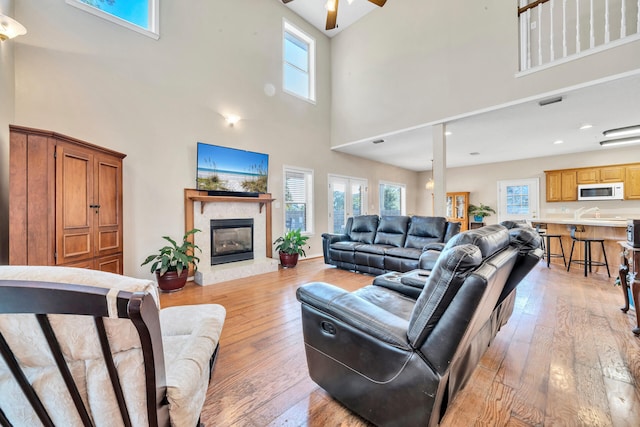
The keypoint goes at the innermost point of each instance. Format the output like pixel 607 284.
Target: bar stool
pixel 546 244
pixel 588 260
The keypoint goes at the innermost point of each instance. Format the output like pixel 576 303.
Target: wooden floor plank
pixel 566 357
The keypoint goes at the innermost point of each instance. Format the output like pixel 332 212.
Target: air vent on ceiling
pixel 550 101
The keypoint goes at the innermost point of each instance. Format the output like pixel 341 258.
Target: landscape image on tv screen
pixel 229 169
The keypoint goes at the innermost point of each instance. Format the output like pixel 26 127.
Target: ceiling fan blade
pixel 332 18
pixel 376 2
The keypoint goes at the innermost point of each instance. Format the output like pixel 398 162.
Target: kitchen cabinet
pixel 561 186
pixel 457 205
pixel 632 182
pixel 65 202
pixel 603 174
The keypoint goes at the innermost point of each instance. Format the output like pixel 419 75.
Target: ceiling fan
pixel 332 11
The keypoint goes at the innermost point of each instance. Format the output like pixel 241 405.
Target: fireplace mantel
pixel 191 196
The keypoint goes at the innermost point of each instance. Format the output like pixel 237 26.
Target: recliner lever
pixel 328 328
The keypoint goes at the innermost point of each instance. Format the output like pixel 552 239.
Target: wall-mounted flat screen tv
pixel 225 170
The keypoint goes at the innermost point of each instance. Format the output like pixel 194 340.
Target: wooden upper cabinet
pixel 632 182
pixel 588 176
pixel 65 202
pixel 612 174
pixel 561 186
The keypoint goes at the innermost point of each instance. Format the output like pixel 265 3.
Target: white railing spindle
pixel 577 26
pixel 607 37
pixel 592 33
pixel 564 28
pixel 552 53
pixel 539 35
pixel 623 21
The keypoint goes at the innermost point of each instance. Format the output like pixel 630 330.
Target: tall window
pixel 392 199
pixel 137 15
pixel 298 199
pixel 299 60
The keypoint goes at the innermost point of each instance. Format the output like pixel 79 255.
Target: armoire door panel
pixel 111 264
pixel 76 245
pixel 74 214
pixel 108 240
pixel 108 191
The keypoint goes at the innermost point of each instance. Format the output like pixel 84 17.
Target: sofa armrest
pixel 355 312
pixel 327 240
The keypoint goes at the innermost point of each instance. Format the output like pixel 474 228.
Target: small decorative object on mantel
pixel 291 246
pixel 479 212
pixel 172 262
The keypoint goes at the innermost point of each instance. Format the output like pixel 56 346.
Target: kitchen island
pixel 612 230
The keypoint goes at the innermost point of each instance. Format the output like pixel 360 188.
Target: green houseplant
pixel 171 262
pixel 479 212
pixel 291 246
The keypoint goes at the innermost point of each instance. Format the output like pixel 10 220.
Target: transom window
pixel 392 199
pixel 298 69
pixel 298 199
pixel 137 15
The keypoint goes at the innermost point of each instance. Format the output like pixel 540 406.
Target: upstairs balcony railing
pixel 555 31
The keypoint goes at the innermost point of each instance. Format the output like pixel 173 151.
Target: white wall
pixel 6 116
pixel 153 100
pixel 482 181
pixel 417 61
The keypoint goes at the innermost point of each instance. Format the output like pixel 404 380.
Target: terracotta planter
pixel 170 281
pixel 288 260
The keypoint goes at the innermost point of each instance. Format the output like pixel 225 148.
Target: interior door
pixel 347 197
pixel 518 199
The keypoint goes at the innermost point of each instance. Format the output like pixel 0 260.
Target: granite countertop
pixel 597 222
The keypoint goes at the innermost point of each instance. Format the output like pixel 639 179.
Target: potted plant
pixel 479 212
pixel 171 263
pixel 291 246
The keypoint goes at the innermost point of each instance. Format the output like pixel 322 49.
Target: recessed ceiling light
pixel 475 153
pixel 378 141
pixel 448 133
pixel 586 126
pixel 558 141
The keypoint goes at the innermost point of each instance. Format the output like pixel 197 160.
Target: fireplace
pixel 231 240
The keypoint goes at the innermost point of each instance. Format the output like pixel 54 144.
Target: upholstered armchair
pixel 83 347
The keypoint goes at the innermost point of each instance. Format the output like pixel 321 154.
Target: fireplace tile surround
pixel 209 208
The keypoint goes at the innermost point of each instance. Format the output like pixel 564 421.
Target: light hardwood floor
pixel 567 357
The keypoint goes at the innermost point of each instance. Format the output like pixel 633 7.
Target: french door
pixel 347 197
pixel 518 199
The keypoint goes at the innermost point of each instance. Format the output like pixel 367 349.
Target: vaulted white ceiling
pixel 514 132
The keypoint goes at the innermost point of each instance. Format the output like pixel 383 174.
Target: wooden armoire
pixel 65 202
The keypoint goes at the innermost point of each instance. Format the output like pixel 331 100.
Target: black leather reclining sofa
pixel 400 361
pixel 375 245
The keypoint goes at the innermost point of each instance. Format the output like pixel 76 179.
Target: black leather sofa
pixel 400 361
pixel 377 245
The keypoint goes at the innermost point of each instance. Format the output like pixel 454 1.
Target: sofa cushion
pixel 373 249
pixel 425 229
pixel 489 239
pixel 345 246
pixel 363 228
pixel 190 335
pixel 392 231
pixel 410 253
pixel 448 275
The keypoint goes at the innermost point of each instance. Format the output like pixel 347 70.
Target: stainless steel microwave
pixel 609 191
